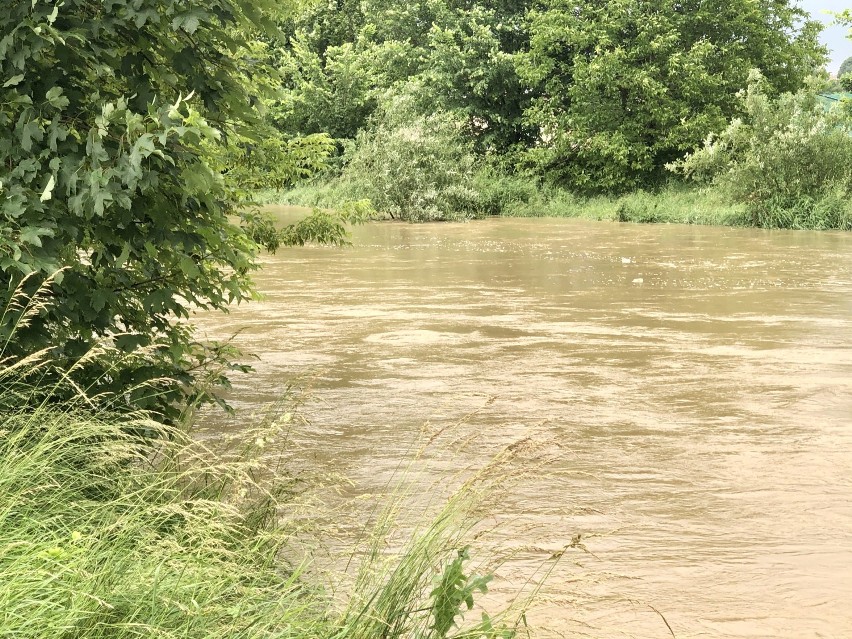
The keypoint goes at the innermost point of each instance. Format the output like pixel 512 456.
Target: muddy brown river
pixel 697 380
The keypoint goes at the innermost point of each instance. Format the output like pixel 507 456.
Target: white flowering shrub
pixel 788 159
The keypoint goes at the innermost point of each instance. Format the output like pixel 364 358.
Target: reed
pixel 113 525
pixel 106 534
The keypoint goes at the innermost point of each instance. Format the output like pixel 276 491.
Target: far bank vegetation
pixel 608 110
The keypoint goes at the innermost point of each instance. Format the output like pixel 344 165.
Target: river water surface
pixel 697 380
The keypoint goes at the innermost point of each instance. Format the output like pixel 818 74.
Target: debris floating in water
pixel 638 280
pixel 626 260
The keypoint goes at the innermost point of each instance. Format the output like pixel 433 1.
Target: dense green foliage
pixel 119 120
pixel 789 160
pixel 624 87
pixel 595 98
pixel 454 56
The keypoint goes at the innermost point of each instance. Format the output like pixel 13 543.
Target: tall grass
pixel 676 204
pixel 104 534
pixel 516 196
pixel 420 590
pixel 106 537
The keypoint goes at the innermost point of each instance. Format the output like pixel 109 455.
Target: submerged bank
pixel 515 197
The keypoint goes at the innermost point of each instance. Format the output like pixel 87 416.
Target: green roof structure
pixel 829 100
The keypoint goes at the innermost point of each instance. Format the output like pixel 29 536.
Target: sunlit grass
pixel 104 534
pixel 519 197
pixel 106 537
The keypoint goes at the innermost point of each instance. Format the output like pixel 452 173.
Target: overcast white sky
pixel 840 47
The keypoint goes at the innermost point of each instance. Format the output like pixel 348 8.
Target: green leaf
pixel 189 267
pixel 142 148
pixel 190 21
pixel 156 301
pixel 31 131
pixel 32 235
pixel 99 300
pixel 48 190
pixel 56 99
pixel 121 260
pixel 13 81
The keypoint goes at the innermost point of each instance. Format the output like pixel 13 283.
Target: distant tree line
pixel 595 96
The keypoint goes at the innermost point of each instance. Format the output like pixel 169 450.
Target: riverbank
pixel 513 197
pixel 105 535
pixel 676 203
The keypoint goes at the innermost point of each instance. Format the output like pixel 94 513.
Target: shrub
pixel 788 160
pixel 500 193
pixel 114 121
pixel 413 166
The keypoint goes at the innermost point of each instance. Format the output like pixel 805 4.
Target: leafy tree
pixel 470 71
pixel 112 116
pixel 337 92
pixel 325 25
pixel 412 166
pixel 343 57
pixel 845 67
pixel 340 60
pixel 624 87
pixel 265 155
